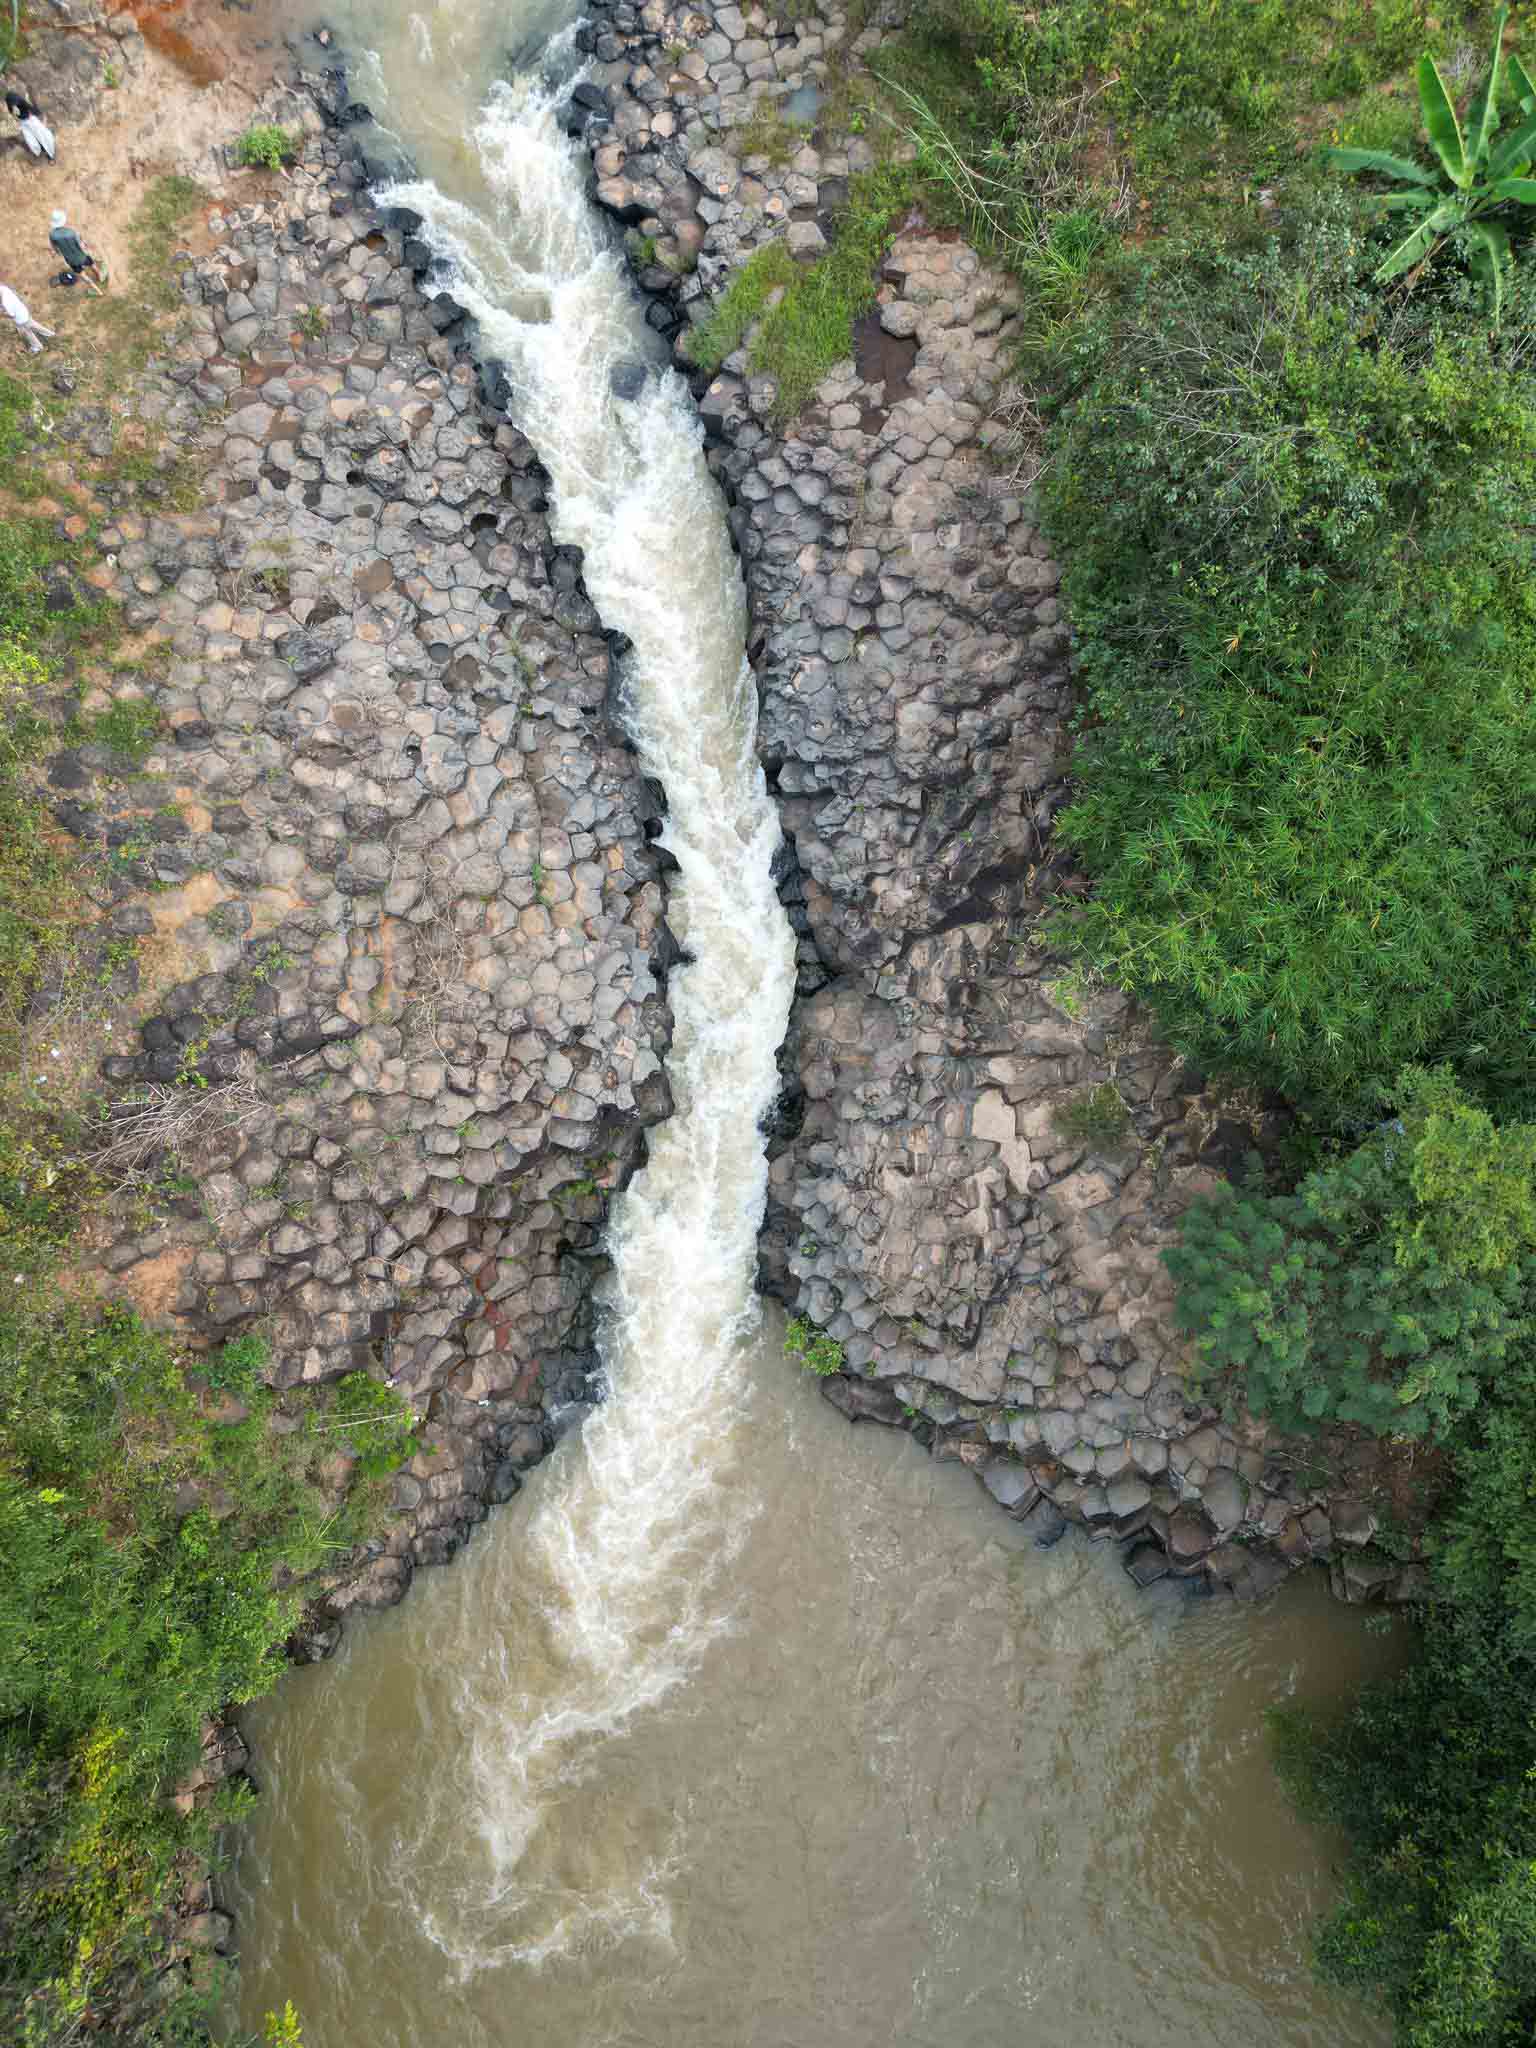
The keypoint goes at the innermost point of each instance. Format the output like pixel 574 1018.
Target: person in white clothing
pixel 29 329
pixel 35 132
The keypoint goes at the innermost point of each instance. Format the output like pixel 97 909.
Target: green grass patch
pixel 129 725
pixel 768 269
pixel 808 329
pixel 16 415
pixel 128 318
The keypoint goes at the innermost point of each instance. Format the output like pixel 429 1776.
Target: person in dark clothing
pixel 35 132
pixel 68 245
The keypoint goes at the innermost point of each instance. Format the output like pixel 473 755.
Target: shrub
pixel 1433 1778
pixel 1485 1540
pixel 1390 1289
pixel 1299 581
pixel 1097 1117
pixel 154 1559
pixel 265 147
pixel 378 1423
pixel 816 1351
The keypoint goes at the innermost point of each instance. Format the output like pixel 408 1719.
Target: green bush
pixel 816 1351
pixel 155 1551
pixel 1298 573
pixel 377 1423
pixel 1433 1779
pixel 265 147
pixel 1390 1289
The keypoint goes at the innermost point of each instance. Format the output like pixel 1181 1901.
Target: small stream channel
pixel 739 1729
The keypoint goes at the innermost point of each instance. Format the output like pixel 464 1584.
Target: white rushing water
pixel 620 1577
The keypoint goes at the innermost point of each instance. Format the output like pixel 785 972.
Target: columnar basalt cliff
pixel 996 1282
pixel 404 881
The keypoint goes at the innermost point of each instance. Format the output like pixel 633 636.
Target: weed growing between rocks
pixel 815 1350
pixel 742 304
pixel 1097 1118
pixel 810 329
pixel 129 726
pixel 797 319
pixel 770 135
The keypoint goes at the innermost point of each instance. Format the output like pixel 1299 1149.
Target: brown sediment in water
pixel 935 1785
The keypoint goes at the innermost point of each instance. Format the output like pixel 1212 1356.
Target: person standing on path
pixel 35 132
pixel 29 329
pixel 67 244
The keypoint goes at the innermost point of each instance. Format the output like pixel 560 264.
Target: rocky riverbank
pixel 391 857
pixel 986 1157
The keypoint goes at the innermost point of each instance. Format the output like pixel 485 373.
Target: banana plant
pixel 1477 176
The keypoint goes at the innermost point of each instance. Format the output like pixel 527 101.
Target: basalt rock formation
pixel 985 1157
pixel 410 924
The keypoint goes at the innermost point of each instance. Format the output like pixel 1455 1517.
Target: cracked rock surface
pixel 403 874
pixel 995 1280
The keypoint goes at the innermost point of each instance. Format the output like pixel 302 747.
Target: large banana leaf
pixel 1440 121
pixel 1417 245
pixel 1382 160
pixel 1489 254
pixel 1514 151
pixel 1410 202
pixel 1483 114
pixel 1524 84
pixel 1523 189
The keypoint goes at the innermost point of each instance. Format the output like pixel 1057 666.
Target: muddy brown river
pixel 928 1788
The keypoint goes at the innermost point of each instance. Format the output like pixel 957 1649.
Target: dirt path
pixel 191 86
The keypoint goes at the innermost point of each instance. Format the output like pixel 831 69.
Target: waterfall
pixel 620 1577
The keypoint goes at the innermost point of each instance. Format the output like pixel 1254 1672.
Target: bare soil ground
pixel 205 66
